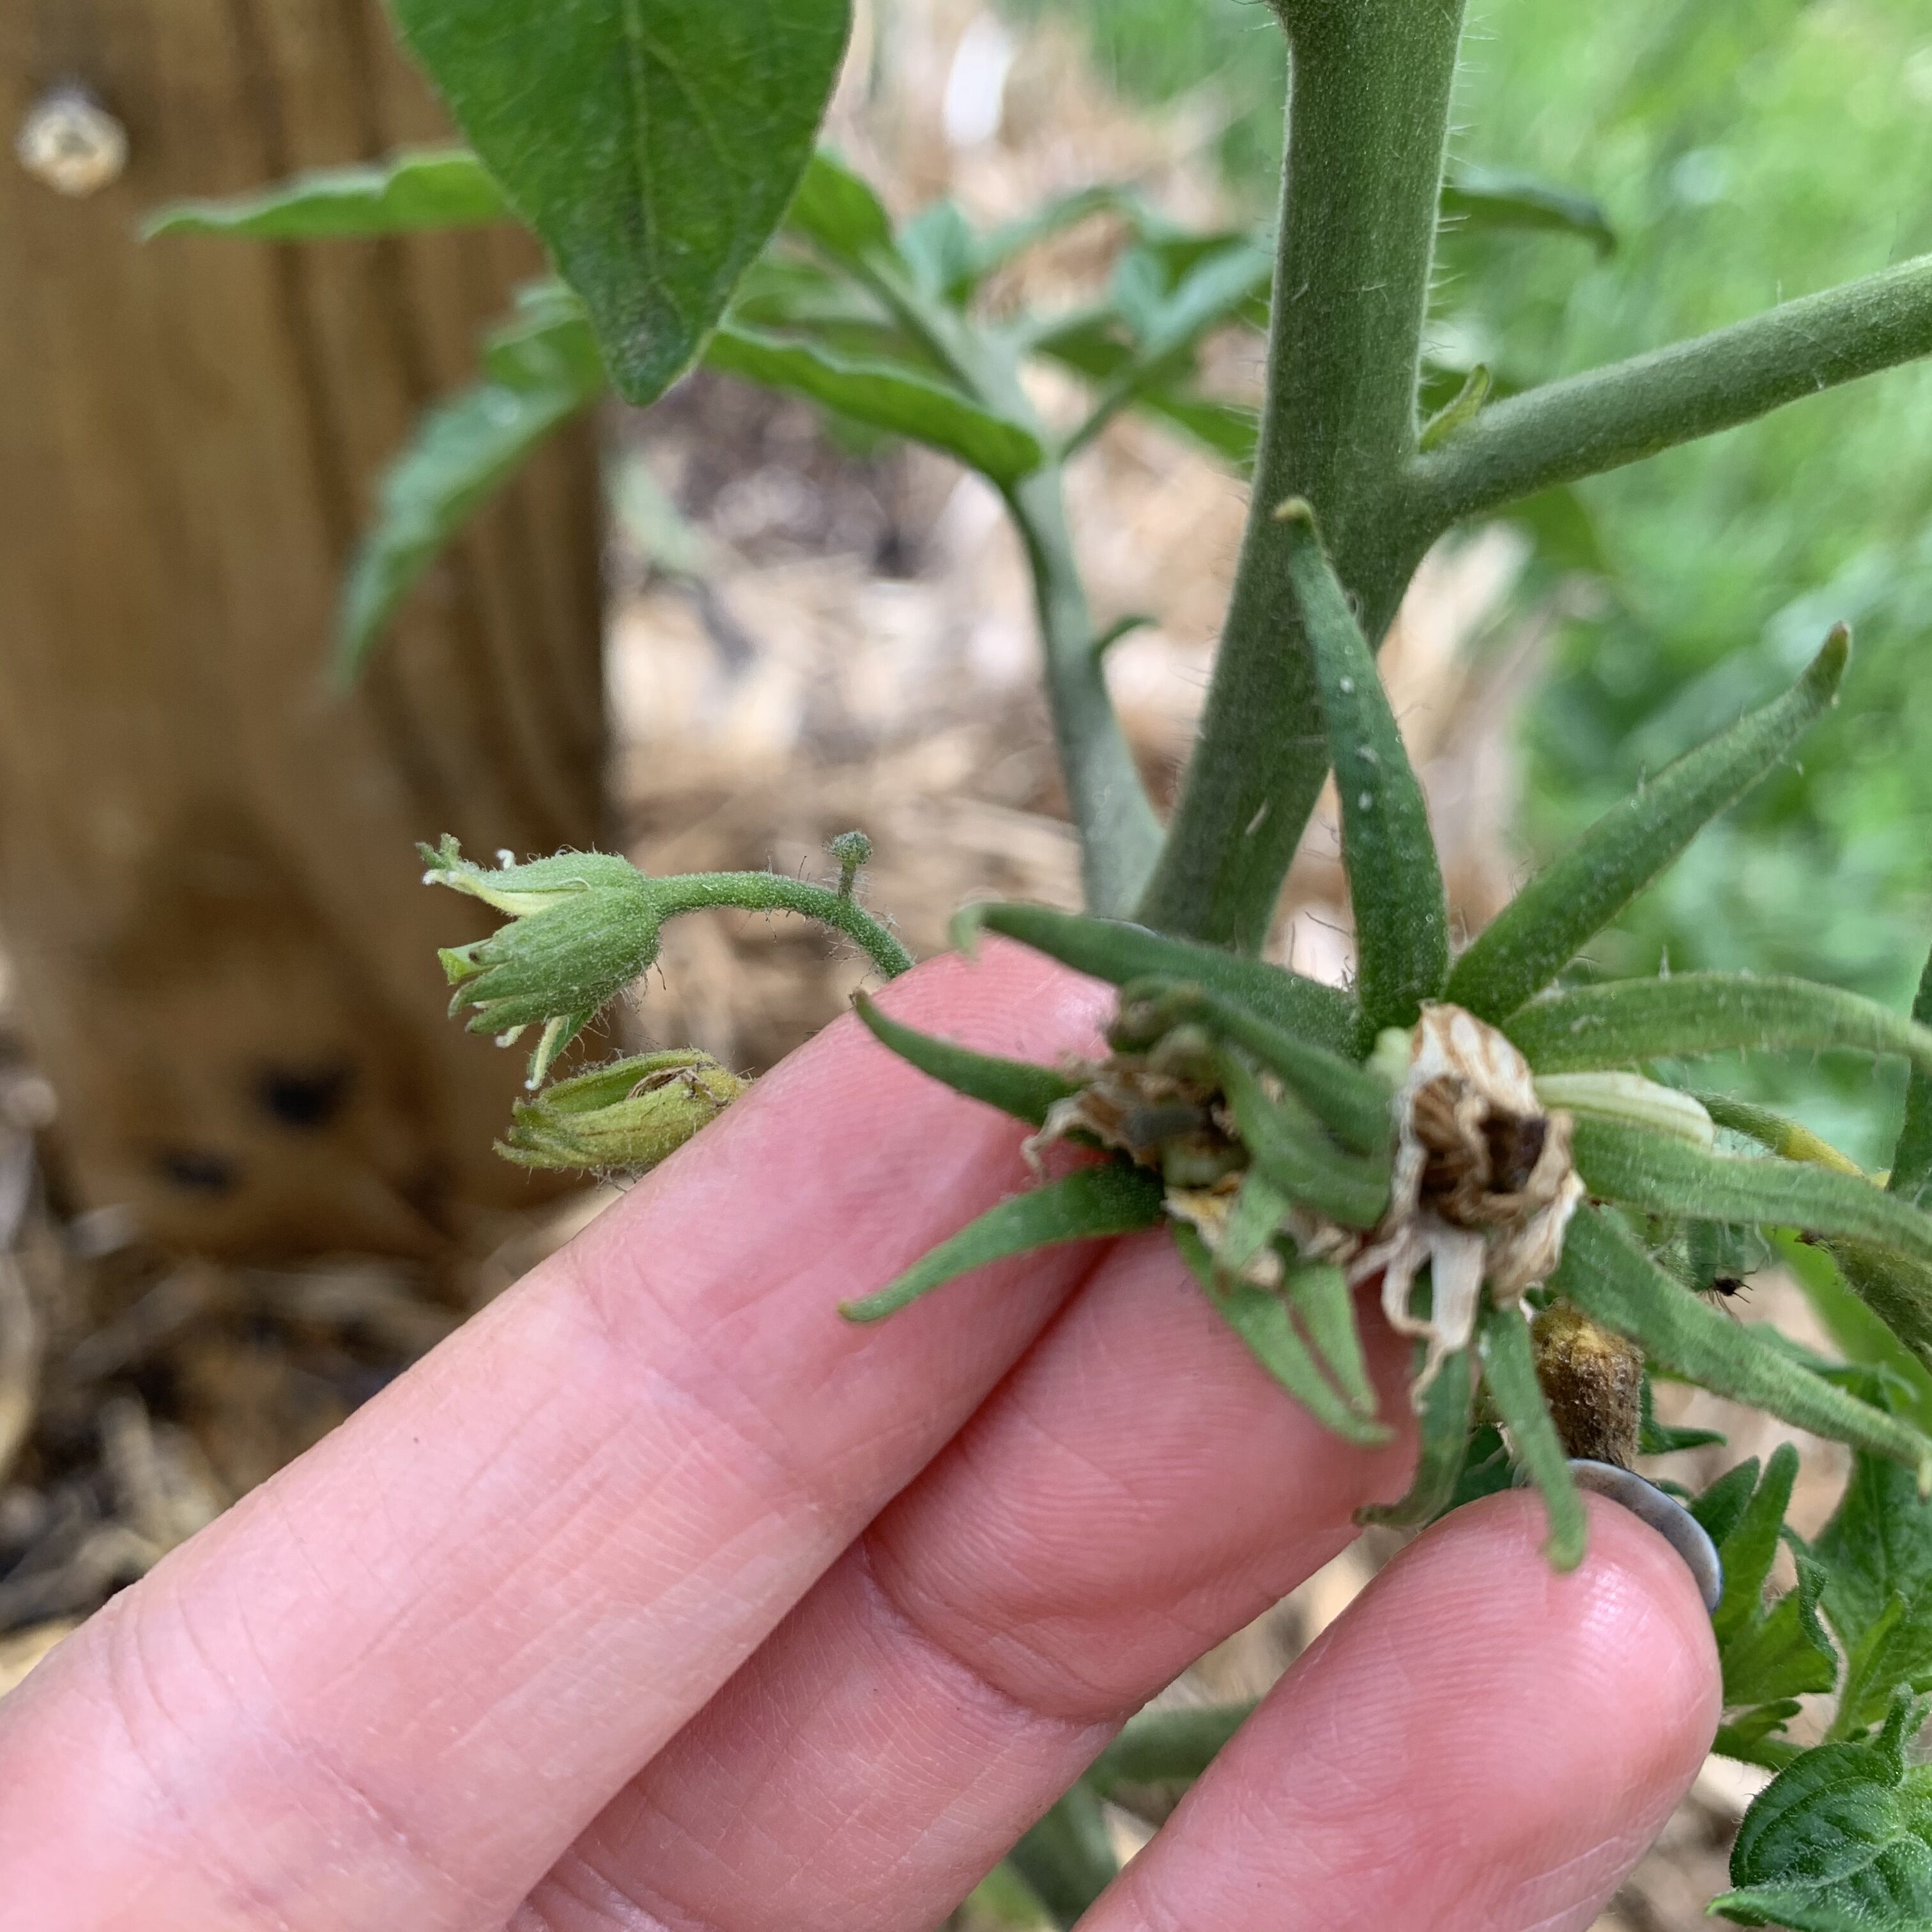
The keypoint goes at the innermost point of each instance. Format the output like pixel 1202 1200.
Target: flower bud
pixel 623 1118
pixel 583 925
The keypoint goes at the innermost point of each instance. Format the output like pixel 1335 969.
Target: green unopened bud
pixel 623 1118
pixel 850 850
pixel 583 925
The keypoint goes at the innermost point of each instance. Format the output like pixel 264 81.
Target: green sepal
pixel 1663 1175
pixel 1119 952
pixel 1319 1295
pixel 1395 881
pixel 1509 1373
pixel 1789 1139
pixel 1266 1327
pixel 1254 1221
pixel 1614 1283
pixel 1623 1022
pixel 1088 1205
pixel 1287 1144
pixel 1015 1087
pixel 582 926
pixel 1350 1099
pixel 414 188
pixel 622 1118
pixel 1448 1408
pixel 1911 1175
pixel 1572 899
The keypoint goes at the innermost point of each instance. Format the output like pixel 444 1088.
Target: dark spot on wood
pixel 197 1170
pixel 307 1101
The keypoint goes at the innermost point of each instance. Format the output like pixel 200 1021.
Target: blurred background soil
pixel 806 636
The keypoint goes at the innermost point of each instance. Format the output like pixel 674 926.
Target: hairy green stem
pixel 1120 836
pixel 1370 114
pixel 773 891
pixel 1588 424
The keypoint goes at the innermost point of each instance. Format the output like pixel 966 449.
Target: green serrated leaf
pixel 1015 1087
pixel 1664 1175
pixel 1395 884
pixel 1840 1840
pixel 1873 1307
pixel 1911 1158
pixel 653 144
pixel 539 371
pixel 418 187
pixel 1770 1655
pixel 1611 1281
pixel 1877 1554
pixel 1265 1326
pixel 1088 1205
pixel 1721 1507
pixel 1751 1736
pixel 1479 198
pixel 1509 1373
pixel 1576 895
pixel 902 401
pixel 1119 952
pixel 1448 1405
pixel 1622 1022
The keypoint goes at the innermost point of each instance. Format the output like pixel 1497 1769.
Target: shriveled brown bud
pixel 1593 1381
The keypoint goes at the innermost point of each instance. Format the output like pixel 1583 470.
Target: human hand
pixel 660 1597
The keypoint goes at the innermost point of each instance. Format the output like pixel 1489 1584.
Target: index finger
pixel 393 1684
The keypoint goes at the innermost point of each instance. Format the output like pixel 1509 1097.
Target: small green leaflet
pixel 417 187
pixel 1480 198
pixel 1119 951
pixel 1841 1841
pixel 538 372
pixel 1770 1655
pixel 1664 1175
pixel 1015 1087
pixel 1089 1203
pixel 1877 1554
pixel 1911 1158
pixel 1623 1022
pixel 882 396
pixel 1509 1373
pixel 1267 1328
pixel 1395 884
pixel 652 144
pixel 1577 895
pixel 1607 1277
pixel 1167 1747
pixel 1448 1407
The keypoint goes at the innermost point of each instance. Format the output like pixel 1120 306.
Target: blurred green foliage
pixel 1746 150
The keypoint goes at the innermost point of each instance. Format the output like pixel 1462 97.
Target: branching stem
pixel 773 891
pixel 1588 424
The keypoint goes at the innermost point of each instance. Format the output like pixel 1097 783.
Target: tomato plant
pixel 1506 1148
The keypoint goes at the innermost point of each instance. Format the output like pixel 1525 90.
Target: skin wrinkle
pixel 1545 1817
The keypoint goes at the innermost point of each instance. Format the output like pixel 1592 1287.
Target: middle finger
pixel 1138 1490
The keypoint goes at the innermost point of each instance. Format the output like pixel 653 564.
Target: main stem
pixel 1120 836
pixel 1367 126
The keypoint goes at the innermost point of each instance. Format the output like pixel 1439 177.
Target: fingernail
pixel 1665 1514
